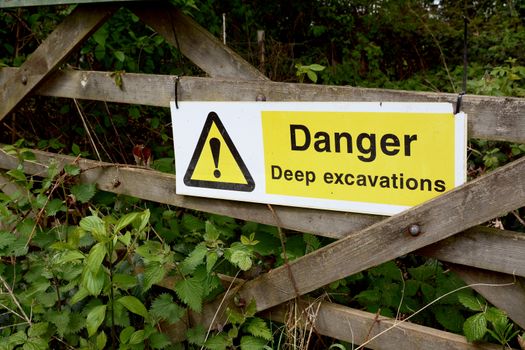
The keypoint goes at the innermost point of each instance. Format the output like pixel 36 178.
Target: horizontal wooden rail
pixel 482 247
pixel 489 117
pixel 357 327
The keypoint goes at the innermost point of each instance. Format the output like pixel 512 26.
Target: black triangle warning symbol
pixel 216 163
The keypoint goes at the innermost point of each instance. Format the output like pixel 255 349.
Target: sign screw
pixel 414 230
pixel 260 98
pixel 24 79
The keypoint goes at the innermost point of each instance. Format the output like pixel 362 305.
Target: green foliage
pixel 489 320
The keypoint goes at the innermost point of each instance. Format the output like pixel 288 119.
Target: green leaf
pixel 475 327
pixel 124 281
pixel 212 233
pixel 36 344
pixel 17 174
pixel 252 343
pixel 194 259
pixel 163 307
pixel 470 302
pixel 125 221
pixel 134 305
pixel 159 341
pixel 495 315
pixel 234 316
pixel 38 329
pixel 94 319
pixel 54 206
pixel 119 55
pixel 93 281
pixel 258 328
pixel 191 292
pixel 316 67
pixel 83 192
pixel 211 259
pixel 196 335
pixel 95 225
pixel 153 273
pixel 72 169
pixel 449 317
pixel 313 77
pixel 101 341
pixel 217 342
pixel 125 334
pixel 81 294
pixel 137 337
pixel 6 239
pixel 96 256
pixel 60 320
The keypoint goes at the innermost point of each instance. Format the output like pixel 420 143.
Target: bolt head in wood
pixel 414 230
pixel 24 79
pixel 260 98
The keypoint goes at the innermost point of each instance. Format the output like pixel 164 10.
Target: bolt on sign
pixel 377 158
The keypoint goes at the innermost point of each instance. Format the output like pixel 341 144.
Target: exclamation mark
pixel 215 145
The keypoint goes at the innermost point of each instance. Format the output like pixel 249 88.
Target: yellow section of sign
pixel 216 163
pixel 373 157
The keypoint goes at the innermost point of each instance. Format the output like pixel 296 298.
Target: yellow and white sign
pixel 378 158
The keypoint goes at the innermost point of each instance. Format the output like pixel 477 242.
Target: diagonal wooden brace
pixel 195 42
pixel 471 204
pixel 75 28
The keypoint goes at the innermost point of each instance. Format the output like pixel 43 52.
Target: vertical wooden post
pixel 260 44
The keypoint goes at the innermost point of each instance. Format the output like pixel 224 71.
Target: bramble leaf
pixel 163 307
pixel 258 328
pixel 191 292
pixel 475 327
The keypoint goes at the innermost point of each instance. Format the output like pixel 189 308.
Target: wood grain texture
pixel 160 187
pixel 355 326
pixel 68 35
pixel 444 216
pixel 509 296
pixel 489 117
pixel 483 247
pixel 195 42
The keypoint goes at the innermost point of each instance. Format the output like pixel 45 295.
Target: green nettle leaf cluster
pixel 72 275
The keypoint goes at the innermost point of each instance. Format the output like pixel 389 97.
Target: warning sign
pixel 378 158
pixel 216 163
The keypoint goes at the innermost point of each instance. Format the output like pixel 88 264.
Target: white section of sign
pixel 242 122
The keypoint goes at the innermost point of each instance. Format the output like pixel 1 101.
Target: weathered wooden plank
pixel 484 248
pixel 489 117
pixel 357 327
pixel 195 42
pixel 24 3
pixel 68 35
pixel 509 296
pixel 442 217
pixel 160 187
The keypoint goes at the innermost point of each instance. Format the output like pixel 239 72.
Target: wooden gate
pixel 482 256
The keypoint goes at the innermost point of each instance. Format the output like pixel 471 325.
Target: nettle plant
pixel 72 276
